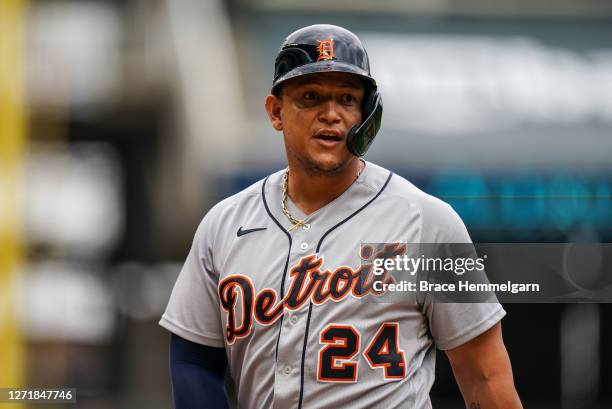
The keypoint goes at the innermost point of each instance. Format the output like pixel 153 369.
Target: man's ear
pixel 273 108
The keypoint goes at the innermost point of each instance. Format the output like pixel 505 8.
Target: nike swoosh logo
pixel 247 231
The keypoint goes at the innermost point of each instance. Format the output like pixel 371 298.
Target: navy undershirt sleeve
pixel 197 373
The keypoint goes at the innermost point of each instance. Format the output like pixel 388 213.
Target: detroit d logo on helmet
pixel 326 50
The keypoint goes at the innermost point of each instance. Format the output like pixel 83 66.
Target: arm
pixel 483 371
pixel 197 373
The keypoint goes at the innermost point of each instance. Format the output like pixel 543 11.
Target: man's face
pixel 316 112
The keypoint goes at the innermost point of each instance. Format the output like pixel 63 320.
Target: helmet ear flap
pixel 361 136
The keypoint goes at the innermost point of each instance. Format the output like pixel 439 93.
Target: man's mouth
pixel 329 136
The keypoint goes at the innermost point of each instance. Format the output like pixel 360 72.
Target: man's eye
pixel 310 96
pixel 348 99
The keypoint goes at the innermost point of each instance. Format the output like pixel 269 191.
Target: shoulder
pixel 405 193
pixel 440 222
pixel 247 201
pixel 403 190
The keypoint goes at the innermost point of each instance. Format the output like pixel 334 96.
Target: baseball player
pixel 270 289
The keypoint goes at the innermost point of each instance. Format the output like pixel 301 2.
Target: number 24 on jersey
pixel 342 343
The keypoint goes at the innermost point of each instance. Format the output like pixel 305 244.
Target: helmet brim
pixel 325 66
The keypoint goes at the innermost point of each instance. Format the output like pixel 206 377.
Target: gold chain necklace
pixel 297 223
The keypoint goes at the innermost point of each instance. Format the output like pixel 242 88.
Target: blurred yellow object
pixel 13 130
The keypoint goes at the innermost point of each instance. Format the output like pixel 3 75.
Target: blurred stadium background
pixel 122 122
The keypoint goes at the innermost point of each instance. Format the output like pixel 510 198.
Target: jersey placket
pixel 287 382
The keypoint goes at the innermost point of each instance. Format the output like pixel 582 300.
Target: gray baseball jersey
pixel 322 347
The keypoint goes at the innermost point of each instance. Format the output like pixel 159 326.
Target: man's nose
pixel 329 111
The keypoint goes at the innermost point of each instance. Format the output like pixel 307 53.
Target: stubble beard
pixel 320 168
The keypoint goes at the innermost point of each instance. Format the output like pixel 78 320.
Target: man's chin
pixel 326 166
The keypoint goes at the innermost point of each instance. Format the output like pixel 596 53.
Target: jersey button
pixel 306 226
pixel 304 246
pixel 287 370
pixel 293 319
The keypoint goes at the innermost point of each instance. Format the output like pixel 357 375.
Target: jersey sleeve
pixel 453 324
pixel 193 310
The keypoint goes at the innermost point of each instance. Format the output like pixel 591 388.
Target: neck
pixel 311 191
